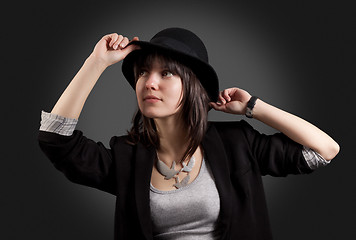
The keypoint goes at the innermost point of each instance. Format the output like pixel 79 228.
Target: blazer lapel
pixel 143 169
pixel 216 156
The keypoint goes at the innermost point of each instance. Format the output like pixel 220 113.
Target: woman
pixel 176 175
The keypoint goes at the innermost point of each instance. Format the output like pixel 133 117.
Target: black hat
pixel 183 46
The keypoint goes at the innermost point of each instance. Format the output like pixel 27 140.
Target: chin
pixel 150 113
pixel 156 114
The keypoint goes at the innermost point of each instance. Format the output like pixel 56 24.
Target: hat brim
pixel 205 73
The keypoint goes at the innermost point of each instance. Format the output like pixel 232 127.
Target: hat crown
pixel 182 40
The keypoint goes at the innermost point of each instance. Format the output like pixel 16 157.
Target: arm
pixel 234 100
pixel 109 50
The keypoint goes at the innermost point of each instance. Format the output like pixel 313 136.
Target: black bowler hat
pixel 183 46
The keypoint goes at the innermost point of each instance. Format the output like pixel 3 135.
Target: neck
pixel 173 139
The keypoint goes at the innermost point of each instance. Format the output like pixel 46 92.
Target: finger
pixel 226 95
pixel 221 99
pixel 113 37
pixel 118 41
pixel 124 42
pixel 214 105
pixel 217 107
pixel 133 46
pixel 125 51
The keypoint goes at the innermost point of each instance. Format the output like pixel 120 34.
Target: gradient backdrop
pixel 297 55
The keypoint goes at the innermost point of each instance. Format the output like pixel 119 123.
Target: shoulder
pixel 232 132
pixel 231 127
pixel 121 142
pixel 126 144
pixel 229 124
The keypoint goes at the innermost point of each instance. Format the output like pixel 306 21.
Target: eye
pixel 142 73
pixel 167 74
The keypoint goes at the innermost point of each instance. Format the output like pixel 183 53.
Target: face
pixel 158 91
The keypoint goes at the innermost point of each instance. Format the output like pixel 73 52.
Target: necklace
pixel 169 173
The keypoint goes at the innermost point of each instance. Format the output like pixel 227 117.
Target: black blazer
pixel 237 154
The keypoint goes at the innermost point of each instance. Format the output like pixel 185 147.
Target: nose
pixel 152 82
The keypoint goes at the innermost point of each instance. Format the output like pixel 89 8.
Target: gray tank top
pixel 190 212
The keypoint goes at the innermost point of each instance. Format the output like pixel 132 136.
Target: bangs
pixel 147 58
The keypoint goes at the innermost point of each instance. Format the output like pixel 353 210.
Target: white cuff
pixel 313 159
pixel 57 124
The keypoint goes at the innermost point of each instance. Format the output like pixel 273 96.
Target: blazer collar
pixel 215 155
pixel 144 160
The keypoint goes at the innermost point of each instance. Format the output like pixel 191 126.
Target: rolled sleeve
pixel 313 159
pixel 57 124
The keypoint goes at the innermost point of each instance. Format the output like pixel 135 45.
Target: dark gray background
pixel 297 55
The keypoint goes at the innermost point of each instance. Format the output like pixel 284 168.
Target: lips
pixel 152 98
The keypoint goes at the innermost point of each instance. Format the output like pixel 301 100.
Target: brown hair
pixel 195 105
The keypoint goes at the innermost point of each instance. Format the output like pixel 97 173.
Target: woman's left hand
pixel 232 100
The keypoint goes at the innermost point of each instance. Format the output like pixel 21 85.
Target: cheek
pixel 139 95
pixel 138 89
pixel 177 92
pixel 138 86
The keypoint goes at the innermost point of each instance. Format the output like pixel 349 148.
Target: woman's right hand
pixel 112 48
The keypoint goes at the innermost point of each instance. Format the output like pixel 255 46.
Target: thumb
pixel 129 49
pixel 216 106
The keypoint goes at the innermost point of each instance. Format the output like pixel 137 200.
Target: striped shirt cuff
pixel 314 159
pixel 57 124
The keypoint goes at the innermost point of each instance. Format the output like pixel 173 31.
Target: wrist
pixel 261 109
pixel 96 63
pixel 250 107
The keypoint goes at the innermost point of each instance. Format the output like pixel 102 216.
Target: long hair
pixel 194 104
